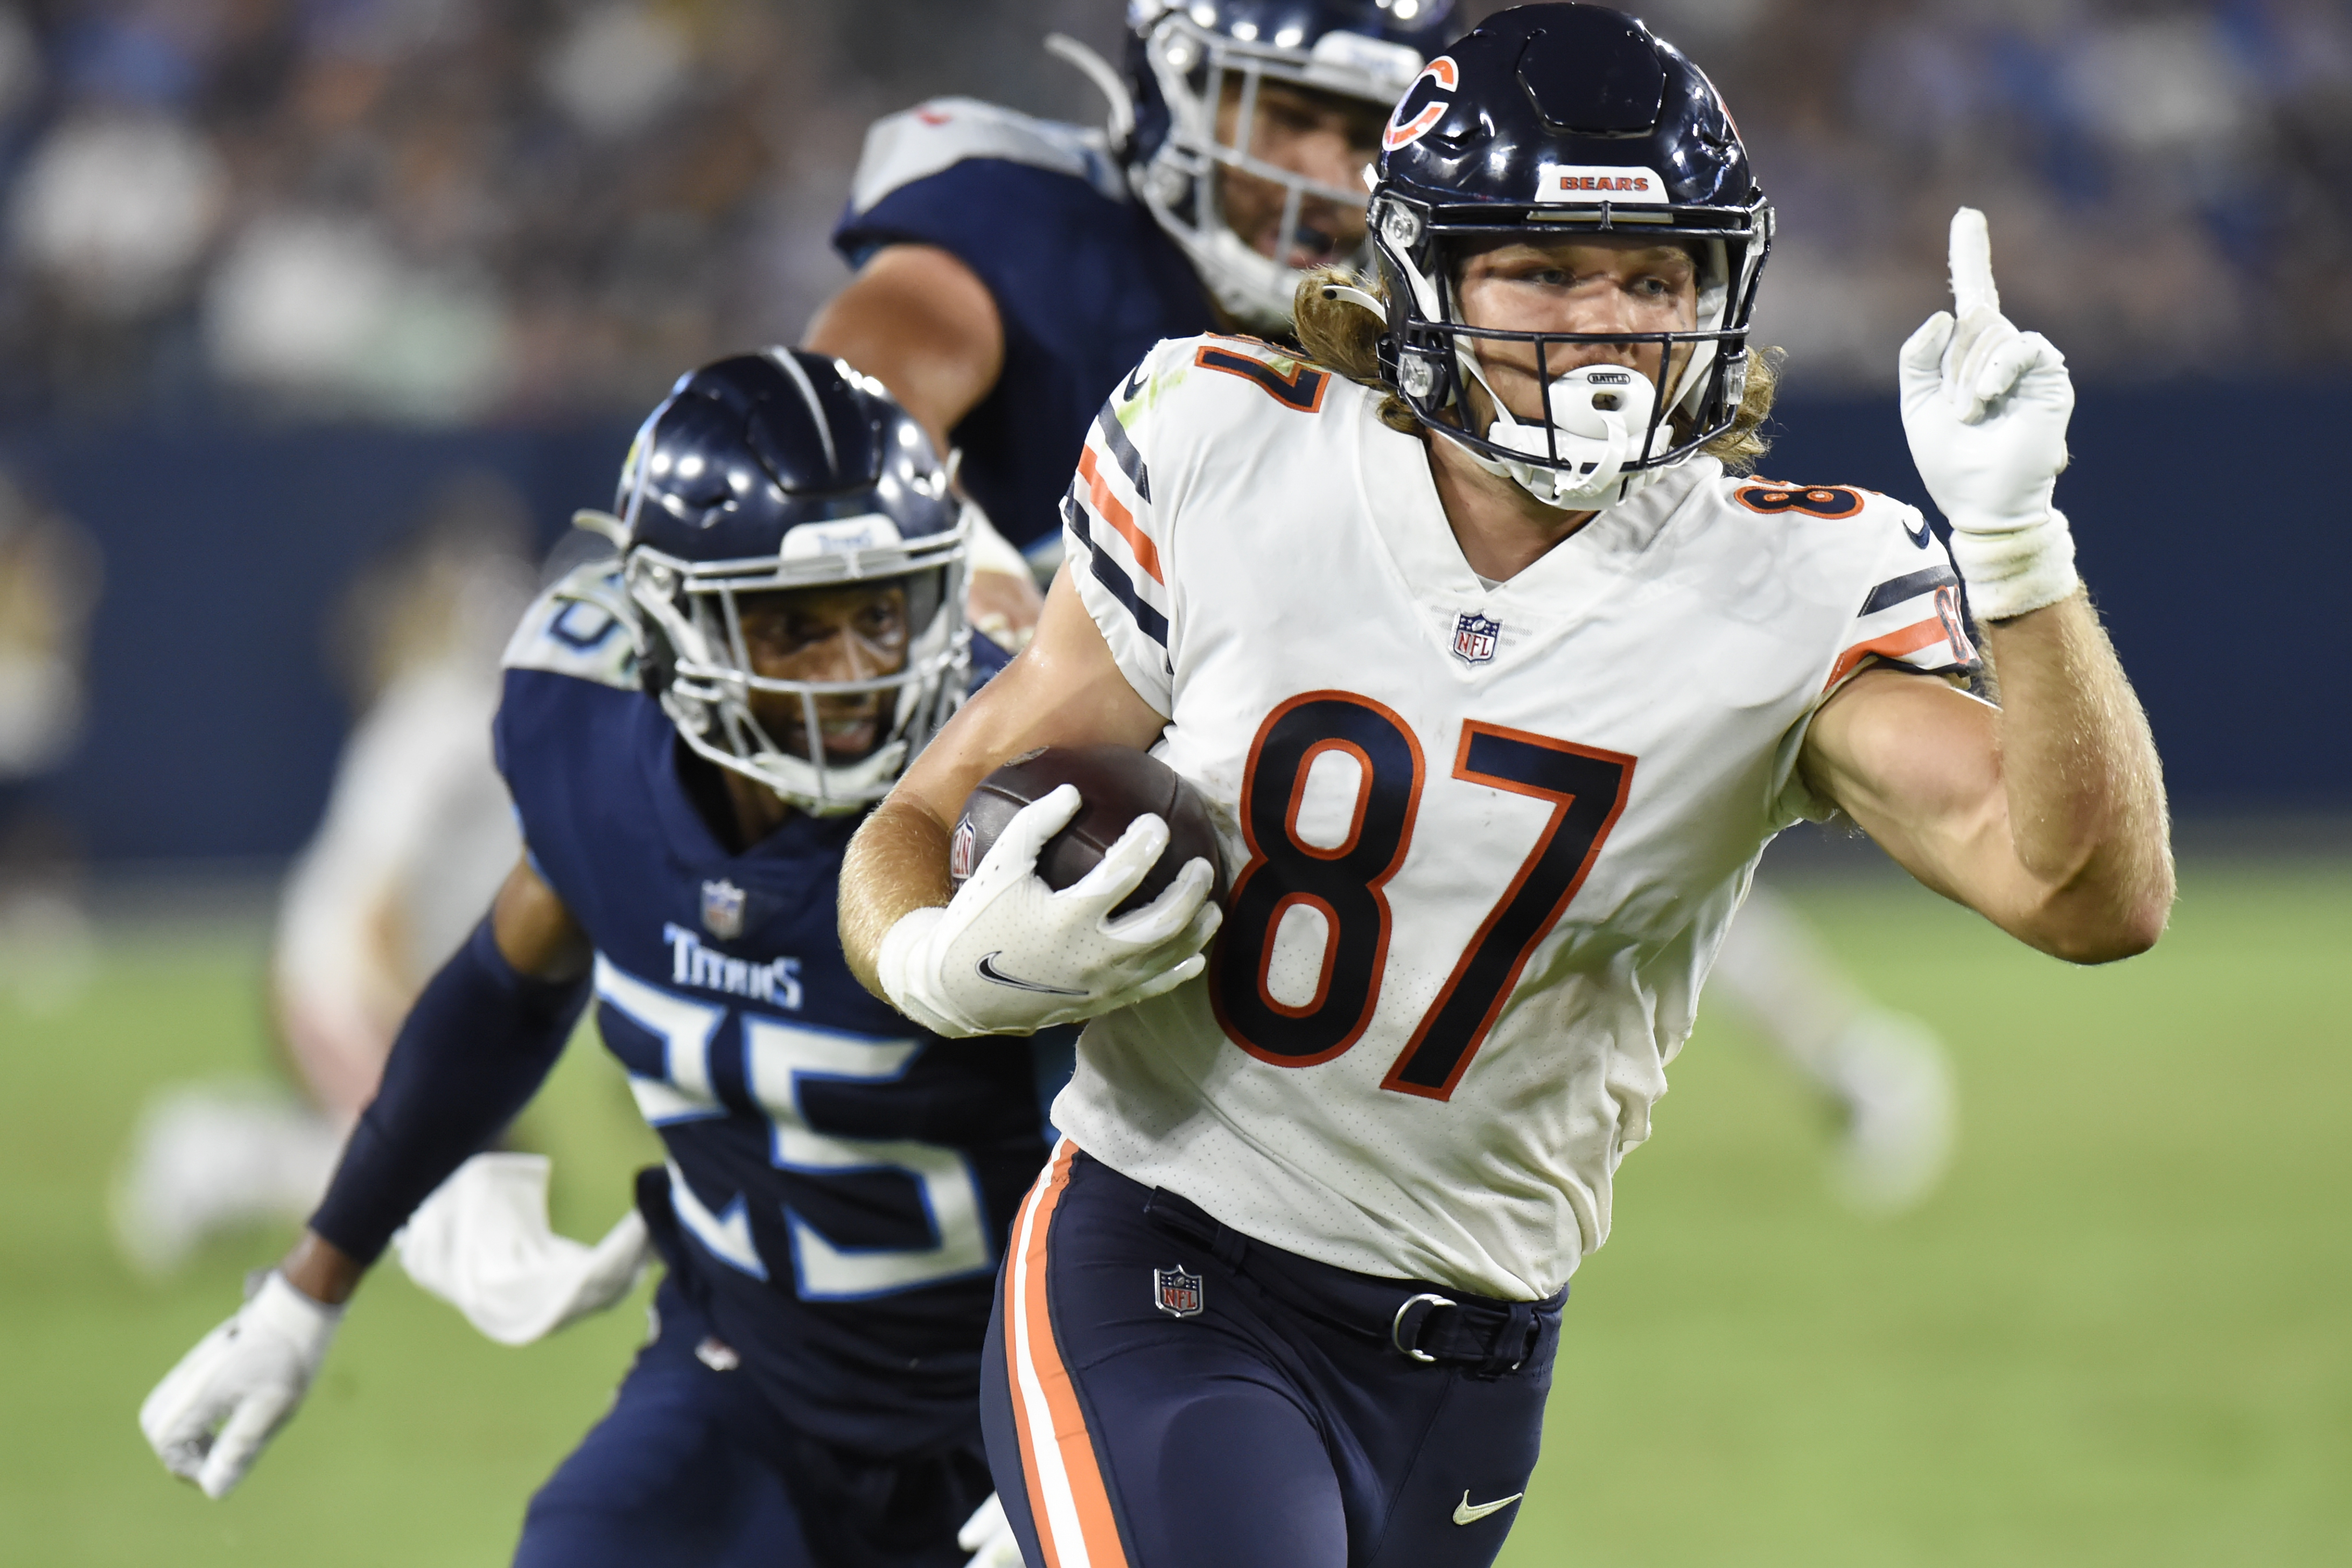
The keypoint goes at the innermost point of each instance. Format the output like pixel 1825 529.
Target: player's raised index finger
pixel 1972 284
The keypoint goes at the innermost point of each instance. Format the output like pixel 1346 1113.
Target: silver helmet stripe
pixel 816 410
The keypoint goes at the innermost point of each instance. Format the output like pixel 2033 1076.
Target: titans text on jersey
pixel 842 1180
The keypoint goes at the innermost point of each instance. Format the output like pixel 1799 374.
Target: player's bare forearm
pixel 2085 789
pixel 1065 690
pixel 898 862
pixel 2046 815
pixel 924 325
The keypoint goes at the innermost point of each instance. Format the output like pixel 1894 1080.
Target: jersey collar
pixel 1597 563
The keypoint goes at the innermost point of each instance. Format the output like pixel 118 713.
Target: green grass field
pixel 2119 1335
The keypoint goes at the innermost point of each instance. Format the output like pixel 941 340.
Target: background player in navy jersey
pixel 690 733
pixel 1010 270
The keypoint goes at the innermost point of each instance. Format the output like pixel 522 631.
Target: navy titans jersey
pixel 843 1179
pixel 1085 283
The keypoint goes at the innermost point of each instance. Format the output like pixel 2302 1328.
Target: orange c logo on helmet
pixel 1403 133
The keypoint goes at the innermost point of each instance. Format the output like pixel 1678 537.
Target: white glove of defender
pixel 210 1415
pixel 988 1536
pixel 482 1243
pixel 1985 407
pixel 1011 956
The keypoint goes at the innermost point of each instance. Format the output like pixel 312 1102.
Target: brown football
pixel 1116 786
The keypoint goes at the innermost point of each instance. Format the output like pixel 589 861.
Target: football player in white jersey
pixel 1498 683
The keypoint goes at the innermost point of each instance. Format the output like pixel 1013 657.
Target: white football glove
pixel 482 1243
pixel 210 1415
pixel 988 1536
pixel 1011 956
pixel 1985 407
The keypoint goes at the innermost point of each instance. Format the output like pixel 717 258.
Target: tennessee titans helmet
pixel 771 472
pixel 1548 121
pixel 1180 56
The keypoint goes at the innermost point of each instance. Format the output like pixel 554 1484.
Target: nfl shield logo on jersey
pixel 722 909
pixel 959 853
pixel 1473 637
pixel 1176 1293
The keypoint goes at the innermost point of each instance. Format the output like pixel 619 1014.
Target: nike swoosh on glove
pixel 1985 408
pixel 210 1417
pixel 1008 956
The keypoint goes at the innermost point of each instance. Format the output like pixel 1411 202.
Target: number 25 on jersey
pixel 1343 882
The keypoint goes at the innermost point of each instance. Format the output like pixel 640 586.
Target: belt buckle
pixel 1396 1327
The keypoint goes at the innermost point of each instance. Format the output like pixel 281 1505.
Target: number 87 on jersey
pixel 1322 859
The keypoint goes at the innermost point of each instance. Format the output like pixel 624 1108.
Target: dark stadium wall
pixel 214 720
pixel 2215 531
pixel 2212 525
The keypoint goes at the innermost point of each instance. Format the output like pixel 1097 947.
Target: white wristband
pixel 904 945
pixel 2015 570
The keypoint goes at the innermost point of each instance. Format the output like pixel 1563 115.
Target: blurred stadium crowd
pixel 446 211
pixel 436 211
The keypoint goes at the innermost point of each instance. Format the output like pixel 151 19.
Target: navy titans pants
pixel 694 1467
pixel 1161 1391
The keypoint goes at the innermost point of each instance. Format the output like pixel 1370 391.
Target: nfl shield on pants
pixel 1164 1393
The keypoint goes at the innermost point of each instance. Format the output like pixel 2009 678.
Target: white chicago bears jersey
pixel 1484 841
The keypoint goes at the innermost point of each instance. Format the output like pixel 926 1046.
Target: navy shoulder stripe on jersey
pixel 1112 575
pixel 1130 461
pixel 1911 584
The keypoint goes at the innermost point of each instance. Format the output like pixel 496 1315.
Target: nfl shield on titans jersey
pixel 1483 840
pixel 842 1180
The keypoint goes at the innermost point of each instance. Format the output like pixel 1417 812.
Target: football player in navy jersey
pixel 690 733
pixel 1010 270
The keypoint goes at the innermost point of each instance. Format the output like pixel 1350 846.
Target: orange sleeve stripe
pixel 1068 1494
pixel 1894 644
pixel 1146 554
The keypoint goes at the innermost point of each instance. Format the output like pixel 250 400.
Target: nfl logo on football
pixel 1473 637
pixel 959 853
pixel 722 909
pixel 1176 1293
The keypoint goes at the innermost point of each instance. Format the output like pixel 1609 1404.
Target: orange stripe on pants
pixel 1067 1497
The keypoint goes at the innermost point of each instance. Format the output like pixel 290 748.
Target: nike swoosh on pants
pixel 1467 1512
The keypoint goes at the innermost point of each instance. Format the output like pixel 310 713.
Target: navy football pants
pixel 694 1467
pixel 1280 1426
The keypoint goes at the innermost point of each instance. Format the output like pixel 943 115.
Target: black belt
pixel 1422 1322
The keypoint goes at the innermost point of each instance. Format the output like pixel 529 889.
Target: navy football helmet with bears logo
pixel 771 472
pixel 1544 123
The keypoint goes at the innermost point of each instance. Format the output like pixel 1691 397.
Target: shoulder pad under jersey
pixel 919 143
pixel 1292 381
pixel 582 626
